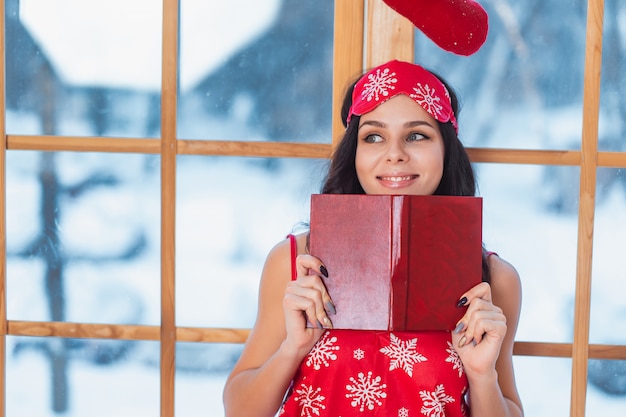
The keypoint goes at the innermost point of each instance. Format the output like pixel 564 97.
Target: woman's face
pixel 399 150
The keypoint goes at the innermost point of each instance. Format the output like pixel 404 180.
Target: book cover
pixel 397 262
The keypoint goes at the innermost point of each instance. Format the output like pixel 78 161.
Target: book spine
pixel 399 272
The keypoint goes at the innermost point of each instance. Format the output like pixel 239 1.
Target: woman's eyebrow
pixel 416 123
pixel 374 123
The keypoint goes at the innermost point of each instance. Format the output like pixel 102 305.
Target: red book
pixel 397 262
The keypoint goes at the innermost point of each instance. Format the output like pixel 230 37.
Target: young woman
pixel 401 138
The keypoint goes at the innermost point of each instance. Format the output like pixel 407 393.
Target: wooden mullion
pixel 83 330
pixel 285 149
pixel 232 335
pixel 524 156
pixel 83 144
pixel 169 91
pixel 347 55
pixel 254 149
pixel 3 194
pixel 586 211
pixel 389 35
pixel 612 159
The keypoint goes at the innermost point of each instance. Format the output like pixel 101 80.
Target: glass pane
pixel 544 385
pixel 524 87
pixel 230 213
pixel 83 237
pixel 201 372
pixel 80 67
pixel 612 102
pixel 607 378
pixel 538 237
pixel 608 311
pixel 81 377
pixel 252 70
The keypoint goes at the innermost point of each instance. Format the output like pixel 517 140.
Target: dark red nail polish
pixel 324 271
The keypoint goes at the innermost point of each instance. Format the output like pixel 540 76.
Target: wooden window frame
pixel 387 35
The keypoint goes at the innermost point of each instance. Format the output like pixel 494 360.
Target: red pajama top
pixel 378 373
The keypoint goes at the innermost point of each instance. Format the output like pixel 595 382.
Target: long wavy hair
pixel 458 177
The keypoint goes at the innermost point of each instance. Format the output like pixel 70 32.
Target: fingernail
pixel 327 323
pixel 461 302
pixel 462 342
pixel 459 327
pixel 324 271
pixel 474 342
pixel 319 325
pixel 330 307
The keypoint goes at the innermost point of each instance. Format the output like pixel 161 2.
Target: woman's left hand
pixel 479 334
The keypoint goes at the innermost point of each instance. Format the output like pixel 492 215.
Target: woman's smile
pixel 397 180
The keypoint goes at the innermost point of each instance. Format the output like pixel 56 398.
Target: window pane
pixel 80 67
pixel 607 378
pixel 608 311
pixel 230 213
pixel 200 381
pixel 525 227
pixel 81 377
pixel 83 237
pixel 524 87
pixel 606 393
pixel 255 70
pixel 544 385
pixel 612 102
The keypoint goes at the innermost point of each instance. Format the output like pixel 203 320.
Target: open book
pixel 397 262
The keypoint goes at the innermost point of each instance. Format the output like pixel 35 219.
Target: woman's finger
pixel 313 299
pixel 307 264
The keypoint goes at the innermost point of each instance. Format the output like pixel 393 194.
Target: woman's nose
pixel 396 152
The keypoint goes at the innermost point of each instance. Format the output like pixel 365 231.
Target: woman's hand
pixel 479 334
pixel 307 304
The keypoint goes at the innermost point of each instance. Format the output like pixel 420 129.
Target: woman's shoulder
pixel 281 256
pixel 501 269
pixel 505 280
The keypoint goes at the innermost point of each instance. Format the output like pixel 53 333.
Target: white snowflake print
pixel 310 400
pixel 366 391
pixel 434 402
pixel 454 359
pixel 403 354
pixel 403 412
pixel 427 98
pixel 323 352
pixel 379 84
pixel 358 354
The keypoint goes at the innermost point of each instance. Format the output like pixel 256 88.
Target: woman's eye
pixel 373 139
pixel 415 137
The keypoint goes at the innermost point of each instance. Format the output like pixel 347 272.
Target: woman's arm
pixel 489 330
pixel 280 339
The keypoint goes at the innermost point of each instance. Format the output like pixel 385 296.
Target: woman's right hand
pixel 307 304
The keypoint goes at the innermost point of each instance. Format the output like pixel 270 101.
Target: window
pixel 153 157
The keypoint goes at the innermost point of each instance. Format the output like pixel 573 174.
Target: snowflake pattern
pixel 366 391
pixel 358 354
pixel 323 352
pixel 428 99
pixel 435 402
pixel 403 412
pixel 379 85
pixel 403 354
pixel 310 400
pixel 454 359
